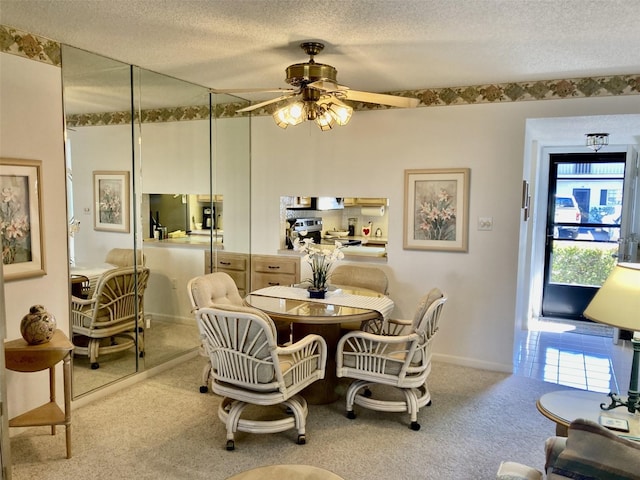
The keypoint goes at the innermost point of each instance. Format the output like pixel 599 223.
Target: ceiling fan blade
pixel 266 102
pixel 383 99
pixel 250 90
pixel 327 86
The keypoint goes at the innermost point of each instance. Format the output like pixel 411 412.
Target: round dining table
pixel 306 316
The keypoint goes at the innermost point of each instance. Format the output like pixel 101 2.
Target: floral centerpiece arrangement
pixel 321 261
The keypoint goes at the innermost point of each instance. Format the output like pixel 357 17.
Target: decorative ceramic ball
pixel 38 325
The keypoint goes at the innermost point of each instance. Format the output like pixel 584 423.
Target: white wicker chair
pixel 248 367
pixel 209 290
pixel 396 353
pixel 107 322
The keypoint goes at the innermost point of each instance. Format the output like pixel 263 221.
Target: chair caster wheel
pixel 204 389
pixel 415 426
pixel 429 404
pixel 231 445
pixel 95 366
pixel 351 415
pixel 367 393
pixel 302 439
pixel 141 354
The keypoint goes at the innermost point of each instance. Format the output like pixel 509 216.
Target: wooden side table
pixel 22 357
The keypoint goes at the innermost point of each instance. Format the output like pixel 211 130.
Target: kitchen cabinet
pixel 270 270
pixel 364 201
pixel 234 264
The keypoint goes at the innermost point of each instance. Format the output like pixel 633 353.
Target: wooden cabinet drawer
pixel 274 264
pixel 231 262
pixel 234 264
pixel 225 261
pixel 261 280
pixel 271 270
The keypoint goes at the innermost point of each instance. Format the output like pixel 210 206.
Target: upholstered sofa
pixel 589 452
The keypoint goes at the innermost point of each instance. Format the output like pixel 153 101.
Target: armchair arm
pixel 302 344
pixel 374 337
pixel 386 327
pixel 82 301
pixel 380 350
pixel 553 446
pixel 304 348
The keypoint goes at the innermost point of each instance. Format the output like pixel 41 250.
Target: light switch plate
pixel 485 223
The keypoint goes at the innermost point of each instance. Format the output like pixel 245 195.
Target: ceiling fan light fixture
pixel 320 95
pixel 595 141
pixel 290 114
pixel 340 112
pixel 325 120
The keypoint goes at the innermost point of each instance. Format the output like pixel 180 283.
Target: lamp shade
pixel 617 303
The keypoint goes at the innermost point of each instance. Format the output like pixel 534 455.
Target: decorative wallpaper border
pixel 44 50
pixel 25 44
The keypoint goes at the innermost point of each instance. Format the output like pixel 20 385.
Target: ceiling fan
pixel 317 96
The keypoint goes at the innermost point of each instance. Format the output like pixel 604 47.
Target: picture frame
pixel 111 201
pixel 436 208
pixel 21 221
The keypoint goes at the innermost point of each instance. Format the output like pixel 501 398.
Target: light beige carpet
pixel 163 428
pixel 164 341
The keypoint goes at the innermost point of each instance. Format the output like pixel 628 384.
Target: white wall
pixel 31 128
pixel 97 148
pixel 174 156
pixel 368 157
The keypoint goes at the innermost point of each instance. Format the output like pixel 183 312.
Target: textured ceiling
pixel 376 45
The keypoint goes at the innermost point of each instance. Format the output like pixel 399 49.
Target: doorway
pixel 583 226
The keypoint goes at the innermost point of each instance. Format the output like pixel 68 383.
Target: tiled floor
pixel 574 354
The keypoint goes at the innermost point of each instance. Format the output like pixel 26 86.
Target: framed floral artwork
pixel 111 201
pixel 436 205
pixel 21 218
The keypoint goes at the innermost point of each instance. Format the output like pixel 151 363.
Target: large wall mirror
pixel 155 180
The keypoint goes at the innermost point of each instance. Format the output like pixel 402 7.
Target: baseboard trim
pixel 473 363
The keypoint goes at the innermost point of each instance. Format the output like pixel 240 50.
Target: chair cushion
pixel 425 302
pixel 593 452
pixel 215 288
pixel 124 257
pixel 372 278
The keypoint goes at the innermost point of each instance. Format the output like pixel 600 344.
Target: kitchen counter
pixel 330 240
pixel 351 253
pixel 193 241
pixel 206 232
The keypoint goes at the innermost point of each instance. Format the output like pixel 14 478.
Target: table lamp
pixel 617 303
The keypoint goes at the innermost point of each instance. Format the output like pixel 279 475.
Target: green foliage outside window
pixel 581 266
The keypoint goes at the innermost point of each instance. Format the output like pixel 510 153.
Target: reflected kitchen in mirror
pixel 183 218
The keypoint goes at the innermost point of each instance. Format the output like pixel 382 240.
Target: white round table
pixel 564 406
pixel 286 472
